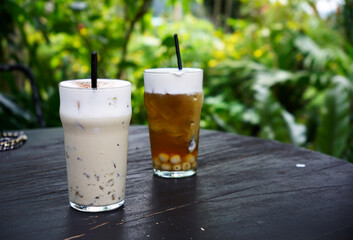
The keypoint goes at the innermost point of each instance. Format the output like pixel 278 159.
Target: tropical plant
pixel 276 70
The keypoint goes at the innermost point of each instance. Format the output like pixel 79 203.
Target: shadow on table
pixel 174 200
pixel 94 225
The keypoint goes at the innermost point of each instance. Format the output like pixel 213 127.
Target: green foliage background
pixel 280 73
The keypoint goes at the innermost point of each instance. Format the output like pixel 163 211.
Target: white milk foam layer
pixel 173 80
pixel 112 98
pixel 101 83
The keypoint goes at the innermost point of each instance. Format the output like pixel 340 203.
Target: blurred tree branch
pixel 313 6
pixel 216 12
pixel 141 11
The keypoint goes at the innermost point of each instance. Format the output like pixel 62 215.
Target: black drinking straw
pixel 94 70
pixel 177 51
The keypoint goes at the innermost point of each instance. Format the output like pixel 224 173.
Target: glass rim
pixel 172 70
pixel 124 84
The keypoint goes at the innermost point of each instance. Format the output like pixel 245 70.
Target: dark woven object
pixel 12 140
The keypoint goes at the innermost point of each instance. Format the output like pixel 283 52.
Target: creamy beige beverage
pixel 173 100
pixel 96 128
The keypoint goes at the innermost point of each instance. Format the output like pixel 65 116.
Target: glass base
pixel 84 208
pixel 174 174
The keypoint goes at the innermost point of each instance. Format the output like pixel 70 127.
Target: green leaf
pixel 316 57
pixel 94 17
pixel 186 5
pixel 334 124
pixel 270 78
pixel 14 108
pixel 348 154
pixel 168 41
pixel 127 64
pixel 273 126
pixel 297 131
pixel 116 42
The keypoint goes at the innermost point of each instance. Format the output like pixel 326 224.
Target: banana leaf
pixel 334 124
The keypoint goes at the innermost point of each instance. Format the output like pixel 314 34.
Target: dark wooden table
pixel 246 188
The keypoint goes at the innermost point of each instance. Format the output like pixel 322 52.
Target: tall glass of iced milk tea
pixel 96 127
pixel 173 100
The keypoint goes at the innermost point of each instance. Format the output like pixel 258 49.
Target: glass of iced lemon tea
pixel 173 100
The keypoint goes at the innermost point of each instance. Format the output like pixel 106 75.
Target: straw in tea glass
pixel 173 99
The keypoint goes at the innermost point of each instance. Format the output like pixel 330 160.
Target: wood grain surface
pixel 245 188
